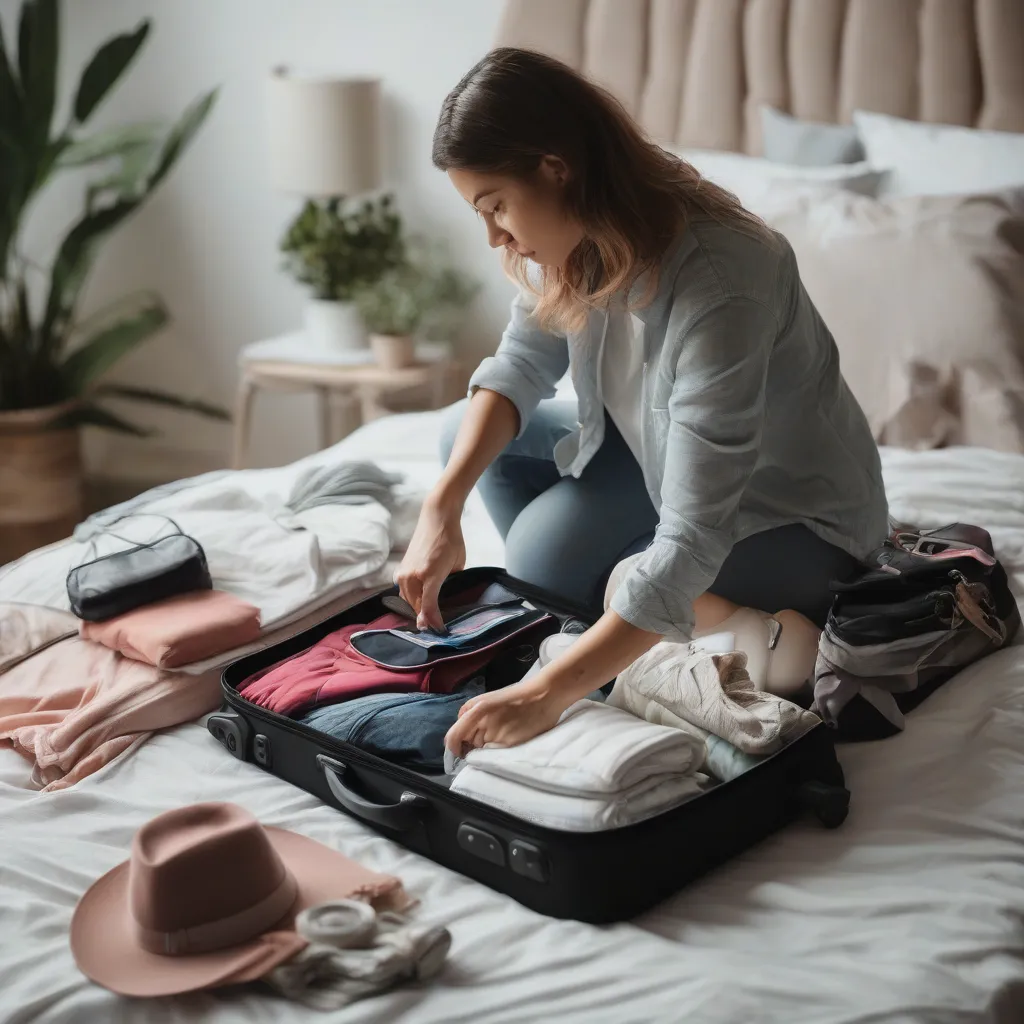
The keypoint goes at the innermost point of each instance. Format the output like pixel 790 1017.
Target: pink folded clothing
pixel 333 670
pixel 73 706
pixel 70 706
pixel 179 630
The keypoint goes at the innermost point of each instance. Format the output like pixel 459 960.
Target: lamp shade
pixel 324 134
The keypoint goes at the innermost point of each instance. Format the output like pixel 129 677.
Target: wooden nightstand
pixel 350 385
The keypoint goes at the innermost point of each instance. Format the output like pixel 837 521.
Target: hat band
pixel 225 931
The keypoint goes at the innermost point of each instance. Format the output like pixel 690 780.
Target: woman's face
pixel 527 217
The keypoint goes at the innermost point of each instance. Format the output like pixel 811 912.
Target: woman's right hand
pixel 437 548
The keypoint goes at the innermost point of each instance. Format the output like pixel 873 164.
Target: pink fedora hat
pixel 209 897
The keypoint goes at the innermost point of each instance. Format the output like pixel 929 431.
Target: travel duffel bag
pixel 925 605
pixel 589 876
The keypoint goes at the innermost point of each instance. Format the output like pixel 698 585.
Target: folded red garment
pixel 332 670
pixel 179 630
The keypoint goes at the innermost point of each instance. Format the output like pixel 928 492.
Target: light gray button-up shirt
pixel 746 422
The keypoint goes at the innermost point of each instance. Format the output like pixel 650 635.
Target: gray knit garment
pixel 343 483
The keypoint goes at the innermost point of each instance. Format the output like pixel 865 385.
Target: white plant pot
pixel 335 325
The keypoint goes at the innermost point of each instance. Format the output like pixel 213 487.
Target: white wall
pixel 208 240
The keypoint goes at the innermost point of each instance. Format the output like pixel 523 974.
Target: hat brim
pixel 106 950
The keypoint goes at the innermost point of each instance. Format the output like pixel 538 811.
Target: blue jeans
pixel 406 728
pixel 566 534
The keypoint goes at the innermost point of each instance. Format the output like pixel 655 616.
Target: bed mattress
pixel 912 911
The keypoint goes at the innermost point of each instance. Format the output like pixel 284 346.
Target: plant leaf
pixel 119 141
pixel 72 264
pixel 128 181
pixel 107 65
pixel 88 415
pixel 181 135
pixel 156 397
pixel 10 96
pixel 109 344
pixel 37 63
pixel 11 120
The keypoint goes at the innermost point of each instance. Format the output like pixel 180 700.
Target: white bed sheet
pixel 912 911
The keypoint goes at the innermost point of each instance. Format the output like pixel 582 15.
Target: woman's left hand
pixel 506 717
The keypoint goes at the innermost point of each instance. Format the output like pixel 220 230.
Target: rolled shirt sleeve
pixel 716 417
pixel 528 364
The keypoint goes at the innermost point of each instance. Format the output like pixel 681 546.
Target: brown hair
pixel 631 197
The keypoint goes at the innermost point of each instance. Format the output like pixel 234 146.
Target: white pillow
pixel 788 140
pixel 924 296
pixel 937 159
pixel 753 180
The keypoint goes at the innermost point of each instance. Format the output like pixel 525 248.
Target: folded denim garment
pixel 405 728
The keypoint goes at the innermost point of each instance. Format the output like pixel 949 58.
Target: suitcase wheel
pixel 829 804
pixel 231 730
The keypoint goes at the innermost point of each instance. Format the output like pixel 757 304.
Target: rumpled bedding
pixel 299 543
pixel 258 547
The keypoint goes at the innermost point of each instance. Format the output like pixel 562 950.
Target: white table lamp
pixel 324 134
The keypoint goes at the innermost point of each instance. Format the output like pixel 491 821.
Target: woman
pixel 714 438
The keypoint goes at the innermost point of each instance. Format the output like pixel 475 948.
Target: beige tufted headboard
pixel 695 72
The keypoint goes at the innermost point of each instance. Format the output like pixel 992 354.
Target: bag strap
pixel 971 601
pixel 90 550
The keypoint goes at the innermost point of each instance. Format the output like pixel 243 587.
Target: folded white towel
pixel 650 797
pixel 675 684
pixel 594 751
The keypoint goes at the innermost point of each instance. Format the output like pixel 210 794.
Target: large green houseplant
pixel 52 361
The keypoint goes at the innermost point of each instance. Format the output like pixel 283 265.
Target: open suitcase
pixel 590 876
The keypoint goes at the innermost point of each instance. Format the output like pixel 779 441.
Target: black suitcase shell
pixel 597 877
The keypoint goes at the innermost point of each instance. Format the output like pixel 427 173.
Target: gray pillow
pixel 788 140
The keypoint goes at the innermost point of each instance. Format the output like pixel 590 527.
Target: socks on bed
pixel 354 952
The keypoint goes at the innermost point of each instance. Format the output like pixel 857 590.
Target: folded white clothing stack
pixel 682 685
pixel 598 768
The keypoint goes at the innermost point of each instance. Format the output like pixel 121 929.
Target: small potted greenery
pixel 335 251
pixel 406 301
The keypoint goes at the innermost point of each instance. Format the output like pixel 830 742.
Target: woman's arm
pixel 491 421
pixel 716 418
pixel 519 712
pixel 437 547
pixel 506 389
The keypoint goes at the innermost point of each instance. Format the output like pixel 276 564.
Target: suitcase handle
pixel 401 817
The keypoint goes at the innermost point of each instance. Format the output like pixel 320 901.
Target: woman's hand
pixel 519 712
pixel 436 549
pixel 506 717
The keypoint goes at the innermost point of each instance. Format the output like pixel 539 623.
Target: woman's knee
pixel 453 417
pixel 548 547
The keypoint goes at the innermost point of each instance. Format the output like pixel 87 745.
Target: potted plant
pixel 405 301
pixel 51 360
pixel 335 251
